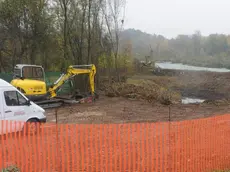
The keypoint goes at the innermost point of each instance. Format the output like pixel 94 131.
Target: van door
pixel 14 109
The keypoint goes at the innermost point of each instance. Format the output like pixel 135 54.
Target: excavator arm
pixel 70 73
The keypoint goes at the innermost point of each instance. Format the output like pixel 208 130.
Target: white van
pixel 16 110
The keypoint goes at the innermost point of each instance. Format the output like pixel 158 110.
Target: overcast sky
pixel 172 17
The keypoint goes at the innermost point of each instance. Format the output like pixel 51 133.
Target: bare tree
pixel 114 23
pixel 64 6
pixel 89 30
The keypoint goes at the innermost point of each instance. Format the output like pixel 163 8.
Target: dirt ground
pixel 121 110
pixel 204 85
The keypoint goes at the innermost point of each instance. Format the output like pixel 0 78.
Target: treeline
pixel 58 33
pixel 212 50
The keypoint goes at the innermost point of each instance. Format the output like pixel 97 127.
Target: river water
pixel 187 100
pixel 180 66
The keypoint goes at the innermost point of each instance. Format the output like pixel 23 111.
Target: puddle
pixel 180 66
pixel 192 101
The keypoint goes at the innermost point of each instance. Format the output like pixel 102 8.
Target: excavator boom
pixel 71 72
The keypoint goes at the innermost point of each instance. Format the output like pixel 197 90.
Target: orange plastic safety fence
pixel 193 146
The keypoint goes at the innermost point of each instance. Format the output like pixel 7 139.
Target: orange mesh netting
pixel 195 145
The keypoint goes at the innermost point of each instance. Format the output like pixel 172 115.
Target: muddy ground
pixel 121 110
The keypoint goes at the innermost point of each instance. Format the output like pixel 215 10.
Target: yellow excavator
pixel 30 80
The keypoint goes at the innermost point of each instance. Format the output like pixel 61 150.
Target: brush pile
pixel 142 89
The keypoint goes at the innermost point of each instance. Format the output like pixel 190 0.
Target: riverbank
pixel 195 82
pixel 202 85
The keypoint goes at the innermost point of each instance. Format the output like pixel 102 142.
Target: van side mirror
pixel 28 103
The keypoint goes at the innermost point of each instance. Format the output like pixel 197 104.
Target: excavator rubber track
pixel 47 104
pixel 61 101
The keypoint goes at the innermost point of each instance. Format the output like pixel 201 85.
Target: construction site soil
pixel 213 87
pixel 121 110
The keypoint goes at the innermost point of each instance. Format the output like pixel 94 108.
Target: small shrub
pixel 11 169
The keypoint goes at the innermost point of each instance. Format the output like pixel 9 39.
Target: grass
pixel 11 169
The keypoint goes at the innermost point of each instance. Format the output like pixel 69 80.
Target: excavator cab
pixel 30 80
pixel 32 72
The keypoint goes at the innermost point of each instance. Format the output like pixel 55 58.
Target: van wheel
pixel 31 127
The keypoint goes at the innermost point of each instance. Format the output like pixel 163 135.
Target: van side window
pixel 13 98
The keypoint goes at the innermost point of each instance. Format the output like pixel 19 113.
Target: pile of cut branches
pixel 142 89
